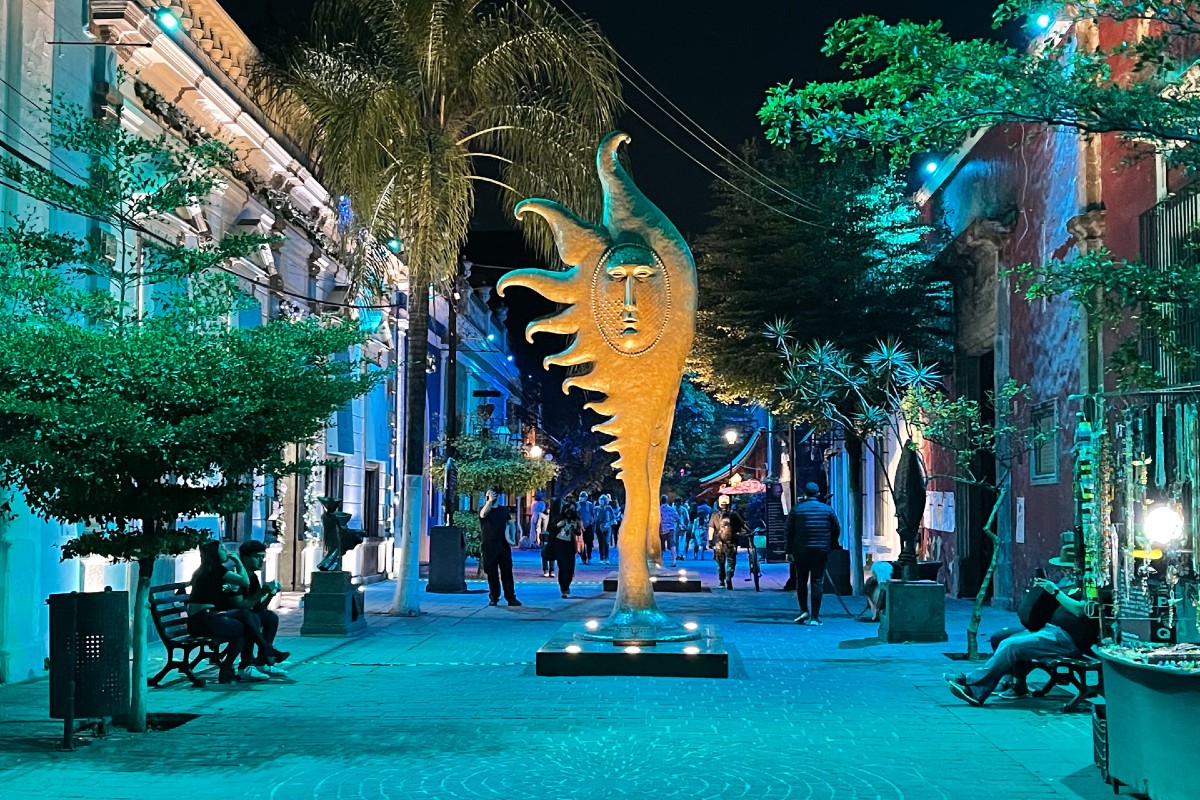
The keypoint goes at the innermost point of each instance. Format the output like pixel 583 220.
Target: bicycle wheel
pixel 755 569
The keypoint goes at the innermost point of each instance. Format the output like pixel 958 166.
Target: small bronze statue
pixel 336 538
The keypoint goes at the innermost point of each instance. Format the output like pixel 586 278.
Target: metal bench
pixel 168 609
pixel 1075 673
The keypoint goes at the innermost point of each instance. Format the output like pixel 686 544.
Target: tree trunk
pixel 854 508
pixel 981 595
pixel 407 600
pixel 141 615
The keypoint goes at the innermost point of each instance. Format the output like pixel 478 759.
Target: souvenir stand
pixel 1137 486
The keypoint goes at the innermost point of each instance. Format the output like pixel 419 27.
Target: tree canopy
pixel 849 260
pixel 125 393
pixel 911 88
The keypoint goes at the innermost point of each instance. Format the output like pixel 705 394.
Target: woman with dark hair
pixel 210 582
pixel 565 526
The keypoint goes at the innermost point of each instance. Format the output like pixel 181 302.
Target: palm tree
pixel 408 105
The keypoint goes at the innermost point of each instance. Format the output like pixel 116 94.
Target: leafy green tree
pixel 850 264
pixel 125 395
pixel 889 391
pixel 412 104
pixel 996 432
pixel 481 461
pixel 911 89
pixel 824 385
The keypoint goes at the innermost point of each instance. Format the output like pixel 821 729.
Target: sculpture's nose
pixel 630 317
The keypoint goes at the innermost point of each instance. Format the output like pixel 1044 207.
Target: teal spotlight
pixel 1043 21
pixel 166 19
pixel 931 167
pixel 394 245
pixel 491 337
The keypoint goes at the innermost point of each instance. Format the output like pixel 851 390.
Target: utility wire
pixel 733 159
pixel 689 155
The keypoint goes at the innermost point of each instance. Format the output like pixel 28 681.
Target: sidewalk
pixel 447 706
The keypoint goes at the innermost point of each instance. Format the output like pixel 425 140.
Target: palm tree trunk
pixel 407 600
pixel 141 613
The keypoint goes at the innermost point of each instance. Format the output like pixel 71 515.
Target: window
pixel 370 511
pixel 335 480
pixel 1043 424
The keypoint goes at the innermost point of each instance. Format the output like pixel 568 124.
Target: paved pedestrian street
pixel 447 706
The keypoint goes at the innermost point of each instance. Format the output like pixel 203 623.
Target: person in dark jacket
pixel 497 549
pixel 812 531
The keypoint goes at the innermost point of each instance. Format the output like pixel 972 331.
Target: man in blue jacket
pixel 812 531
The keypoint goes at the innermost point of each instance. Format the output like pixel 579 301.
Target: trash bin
pixel 89 657
pixel 447 560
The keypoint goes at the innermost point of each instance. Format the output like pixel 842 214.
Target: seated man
pixel 1069 634
pixel 252 596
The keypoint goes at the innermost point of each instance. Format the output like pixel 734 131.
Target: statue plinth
pixel 332 606
pixel 914 611
pixel 574 651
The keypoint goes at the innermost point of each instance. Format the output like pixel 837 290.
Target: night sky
pixel 713 58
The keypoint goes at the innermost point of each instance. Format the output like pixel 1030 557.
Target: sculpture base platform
pixel 913 612
pixel 663 582
pixel 567 653
pixel 332 606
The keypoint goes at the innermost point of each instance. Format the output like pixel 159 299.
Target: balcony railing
pixel 1169 236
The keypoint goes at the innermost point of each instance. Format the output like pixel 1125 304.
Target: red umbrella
pixel 750 486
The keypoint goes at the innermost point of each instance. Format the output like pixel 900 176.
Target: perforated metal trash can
pixel 89 655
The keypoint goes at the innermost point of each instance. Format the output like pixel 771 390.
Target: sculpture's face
pixel 631 298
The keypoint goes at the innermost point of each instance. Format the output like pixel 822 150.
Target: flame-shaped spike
pixel 629 214
pixel 572 356
pixel 578 242
pixel 558 287
pixel 566 322
pixel 576 381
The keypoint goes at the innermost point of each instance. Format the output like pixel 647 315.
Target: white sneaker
pixel 252 674
pixel 274 671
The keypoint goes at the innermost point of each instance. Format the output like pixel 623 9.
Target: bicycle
pixel 756 539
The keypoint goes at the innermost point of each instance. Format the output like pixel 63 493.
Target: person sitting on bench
pixel 1070 633
pixel 253 596
pixel 210 582
pixel 1015 686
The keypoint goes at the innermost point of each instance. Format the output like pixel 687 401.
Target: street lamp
pixel 731 436
pixel 535 451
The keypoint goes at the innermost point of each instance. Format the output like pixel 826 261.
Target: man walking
pixel 724 527
pixel 587 518
pixel 668 521
pixel 497 549
pixel 812 531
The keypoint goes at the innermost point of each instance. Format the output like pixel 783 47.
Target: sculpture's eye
pixel 618 273
pixel 642 274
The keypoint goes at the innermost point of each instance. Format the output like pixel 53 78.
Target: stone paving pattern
pixel 447 706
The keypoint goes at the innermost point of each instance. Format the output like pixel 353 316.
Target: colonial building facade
pixel 184 75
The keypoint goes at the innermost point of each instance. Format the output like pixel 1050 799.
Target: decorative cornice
pixel 983 235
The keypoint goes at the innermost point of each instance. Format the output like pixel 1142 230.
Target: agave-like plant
pixel 408 105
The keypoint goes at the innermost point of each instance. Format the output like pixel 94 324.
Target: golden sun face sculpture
pixel 630 304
